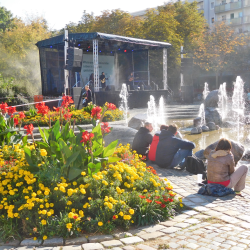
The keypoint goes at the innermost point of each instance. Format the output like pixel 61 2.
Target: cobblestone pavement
pixel 208 223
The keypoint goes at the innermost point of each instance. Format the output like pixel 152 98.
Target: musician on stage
pixel 103 81
pixel 87 96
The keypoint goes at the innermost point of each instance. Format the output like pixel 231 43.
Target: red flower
pixel 66 101
pixel 86 136
pixel 110 106
pixel 105 128
pixel 158 202
pixel 56 109
pixel 67 116
pixel 168 188
pixel 165 200
pixel 11 110
pixel 96 112
pixel 75 217
pixel 157 197
pixel 21 115
pixel 142 196
pixel 15 121
pixel 114 217
pixel 29 129
pixel 163 205
pixel 42 108
pixel 171 200
pixel 148 200
pixel 172 195
pixel 4 108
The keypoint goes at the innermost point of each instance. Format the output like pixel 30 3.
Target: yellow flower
pixel 100 224
pixel 44 222
pixel 35 238
pixel 27 218
pixel 121 213
pixel 83 173
pixel 181 205
pixel 45 237
pixel 131 211
pixel 69 225
pixel 43 152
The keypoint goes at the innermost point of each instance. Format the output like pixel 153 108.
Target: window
pixel 240 14
pixel 212 20
pixel 223 2
pixel 212 5
pixel 223 18
pixel 232 16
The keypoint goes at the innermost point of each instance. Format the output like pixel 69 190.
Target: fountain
pixel 238 105
pixel 205 91
pixel 222 104
pixel 151 113
pixel 124 102
pixel 161 113
pixel 202 115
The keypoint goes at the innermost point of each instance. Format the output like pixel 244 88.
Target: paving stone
pixel 6 247
pixel 173 245
pixel 135 231
pixel 116 248
pixel 72 247
pixel 227 246
pixel 244 217
pixel 111 243
pixel 192 245
pixel 92 246
pixel 201 208
pixel 25 248
pixel 190 212
pixel 188 203
pixel 47 248
pixel 182 225
pixel 31 242
pixel 192 221
pixel 219 239
pixel 226 228
pixel 76 241
pixel 100 238
pixel 196 200
pixel 237 248
pixel 131 240
pixel 220 209
pixel 204 248
pixel 170 230
pixel 53 242
pixel 201 216
pixel 122 235
pixel 229 219
pixel 245 241
pixel 128 248
pixel 168 223
pixel 231 212
pixel 150 236
pixel 154 228
pixel 230 242
pixel 144 247
pixel 13 243
pixel 213 213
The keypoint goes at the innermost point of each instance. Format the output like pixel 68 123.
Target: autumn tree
pixel 6 20
pixel 215 48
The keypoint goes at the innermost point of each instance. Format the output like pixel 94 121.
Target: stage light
pixel 119 49
pixel 132 50
pixel 88 47
pixel 100 51
pixel 51 46
pixel 125 50
pixel 87 50
pixel 111 52
pixel 79 44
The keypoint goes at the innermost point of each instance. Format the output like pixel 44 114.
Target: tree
pixel 6 20
pixel 215 48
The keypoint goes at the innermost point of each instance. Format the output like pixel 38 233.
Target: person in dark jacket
pixel 88 96
pixel 171 151
pixel 143 139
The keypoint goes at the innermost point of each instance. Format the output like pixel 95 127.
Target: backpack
pixel 195 165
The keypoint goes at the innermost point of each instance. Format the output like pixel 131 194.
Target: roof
pixel 87 37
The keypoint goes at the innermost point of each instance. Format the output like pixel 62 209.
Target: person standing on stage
pixel 88 96
pixel 103 81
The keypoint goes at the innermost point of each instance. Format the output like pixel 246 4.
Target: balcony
pixel 246 3
pixel 200 10
pixel 234 21
pixel 246 19
pixel 228 7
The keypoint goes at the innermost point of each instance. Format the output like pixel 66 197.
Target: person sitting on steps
pixel 172 151
pixel 221 167
pixel 143 139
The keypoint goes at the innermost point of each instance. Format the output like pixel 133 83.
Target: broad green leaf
pixel 110 149
pixel 45 139
pixel 72 158
pixel 97 168
pixel 73 173
pixel 98 151
pixel 114 159
pixel 56 130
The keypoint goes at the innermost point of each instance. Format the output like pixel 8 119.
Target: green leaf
pixel 56 130
pixel 97 168
pixel 45 139
pixel 28 158
pixel 25 139
pixel 110 149
pixel 73 173
pixel 98 151
pixel 72 158
pixel 114 159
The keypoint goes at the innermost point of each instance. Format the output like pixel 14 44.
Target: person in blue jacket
pixel 172 151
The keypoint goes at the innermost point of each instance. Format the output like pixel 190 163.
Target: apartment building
pixel 235 13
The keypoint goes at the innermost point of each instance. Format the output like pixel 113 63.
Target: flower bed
pixel 70 184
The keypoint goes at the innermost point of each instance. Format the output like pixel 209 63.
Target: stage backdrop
pixel 106 65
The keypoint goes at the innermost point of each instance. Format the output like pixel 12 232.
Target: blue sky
pixel 58 13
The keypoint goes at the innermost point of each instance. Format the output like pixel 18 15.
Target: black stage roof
pixel 106 42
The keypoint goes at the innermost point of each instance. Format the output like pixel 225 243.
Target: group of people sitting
pixel 168 150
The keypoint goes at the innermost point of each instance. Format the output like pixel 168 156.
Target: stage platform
pixel 137 99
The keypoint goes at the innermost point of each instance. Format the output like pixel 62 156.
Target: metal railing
pixel 228 6
pixel 233 21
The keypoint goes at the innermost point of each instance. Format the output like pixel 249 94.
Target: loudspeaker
pixel 76 91
pixel 77 97
pixel 187 93
pixel 74 59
